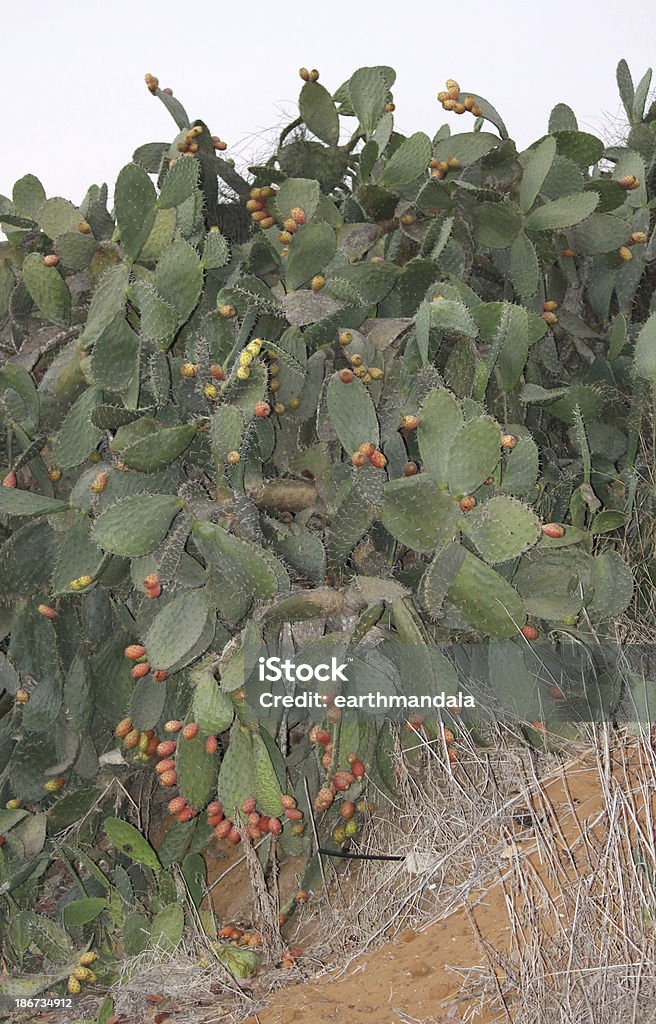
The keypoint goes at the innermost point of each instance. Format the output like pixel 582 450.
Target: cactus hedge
pixel 379 397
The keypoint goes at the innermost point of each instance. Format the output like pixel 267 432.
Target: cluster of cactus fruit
pixel 372 398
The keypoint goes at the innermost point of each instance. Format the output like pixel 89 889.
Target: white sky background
pixel 74 105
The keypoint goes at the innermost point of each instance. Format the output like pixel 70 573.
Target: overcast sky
pixel 74 105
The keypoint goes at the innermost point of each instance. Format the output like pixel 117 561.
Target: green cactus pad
pixel 496 225
pixel 440 574
pixel 474 455
pixel 317 110
pixel 115 356
pixel 367 90
pixel 267 787
pixel 107 302
pixel 197 770
pixel 501 528
pixel 407 162
pixel 78 437
pixel 440 419
pixel 237 779
pixel 75 250
pixel 179 277
pixel 352 413
pixel 216 251
pixel 56 216
pixel 418 513
pixel 177 628
pixel 158 318
pixel 521 469
pixel 645 350
pixel 129 840
pixel 79 555
pixel 562 213
pixel 147 704
pixel 15 502
pixel 307 604
pixel 524 266
pixel 581 147
pixel 28 196
pixel 134 526
pixel 485 599
pixel 134 203
pixel 298 192
pixel 312 249
pixel 536 167
pixel 453 316
pixel 612 582
pixel 553 583
pixel 48 289
pixel 238 561
pixel 179 184
pixel 212 709
pixel 159 450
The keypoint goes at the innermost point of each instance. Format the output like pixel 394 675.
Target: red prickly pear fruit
pixel 165 766
pixel 347 810
pixel 262 410
pixel 168 779
pixel 10 480
pixel 234 836
pixel 342 780
pixel 288 802
pixel 51 260
pixel 410 469
pixel 449 738
pixel 327 760
pixel 253 833
pixel 253 819
pixel 549 318
pixel 123 728
pixel 452 754
pixel 568 252
pixel 154 592
pixel 346 377
pixel 468 503
pixel 368 448
pixel 151 581
pixel 47 611
pixel 166 748
pixel 508 441
pixel 249 805
pixel 275 826
pixel 302 896
pixel 214 819
pixel 378 460
pixel 134 651
pixel 140 670
pixel 211 745
pixel 267 223
pixel 549 306
pixel 217 372
pixel 629 181
pixel 186 814
pixel 215 807
pixel 160 676
pixel 177 804
pixel 152 746
pixel 265 821
pixel 190 731
pixel 359 459
pixel 358 770
pixel 530 632
pixel 293 814
pixel 223 829
pixel 174 725
pixel 554 530
pixel 298 215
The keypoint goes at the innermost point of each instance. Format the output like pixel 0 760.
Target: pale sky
pixel 74 105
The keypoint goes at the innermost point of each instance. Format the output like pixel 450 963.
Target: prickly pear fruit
pixel 140 670
pixel 47 611
pixel 530 632
pixel 553 530
pixel 190 731
pixel 508 441
pixel 123 728
pixel 54 785
pixel 165 748
pixel 174 725
pixel 168 778
pixel 468 502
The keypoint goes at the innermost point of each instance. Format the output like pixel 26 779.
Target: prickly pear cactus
pixel 387 396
